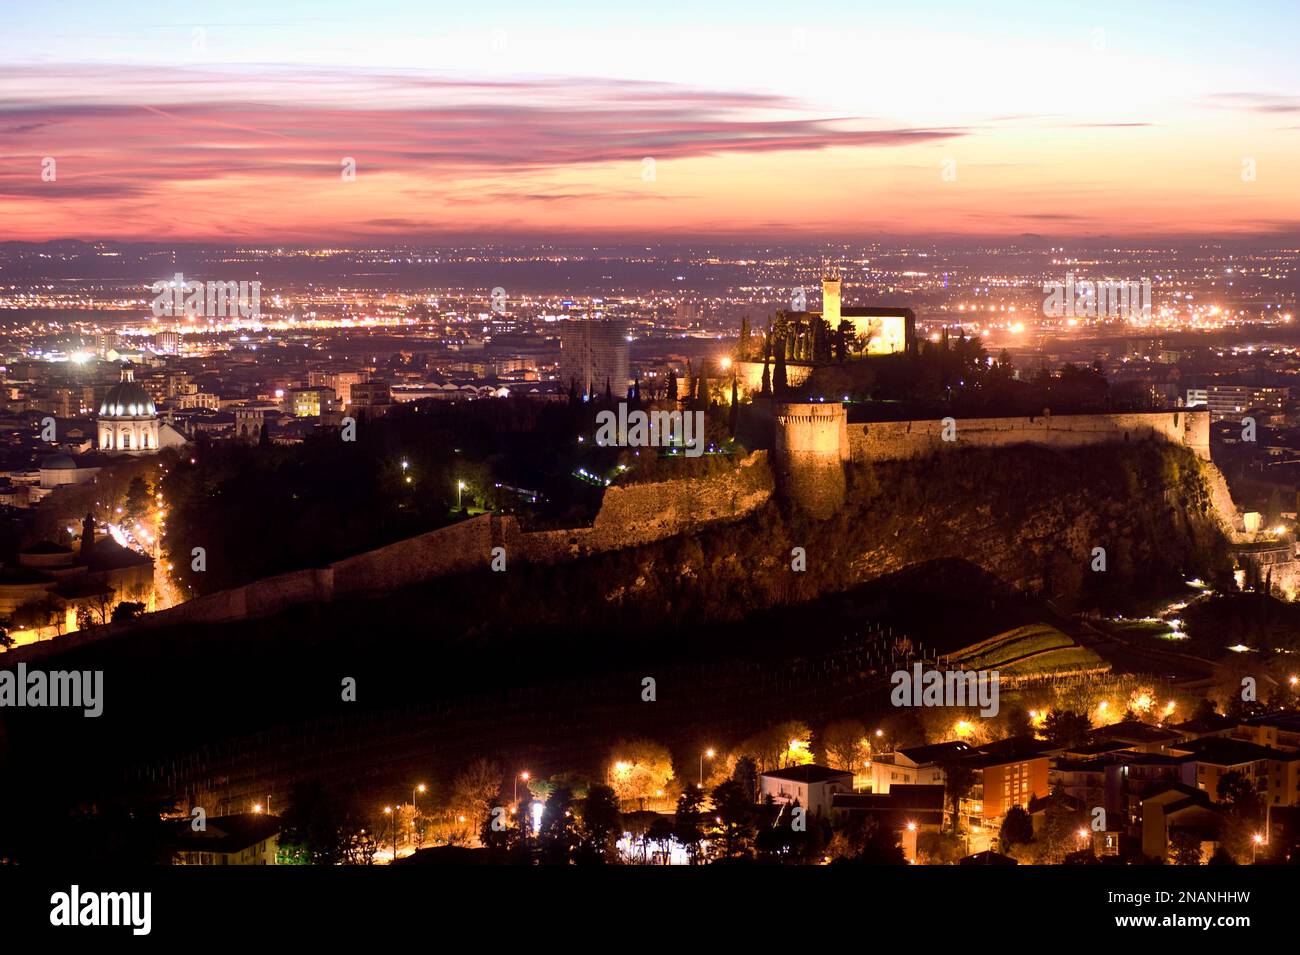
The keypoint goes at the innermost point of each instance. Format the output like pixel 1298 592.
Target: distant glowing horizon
pixel 231 123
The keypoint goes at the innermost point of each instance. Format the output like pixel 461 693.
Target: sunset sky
pixel 230 121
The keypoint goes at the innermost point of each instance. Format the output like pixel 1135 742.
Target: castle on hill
pixel 801 340
pixel 866 330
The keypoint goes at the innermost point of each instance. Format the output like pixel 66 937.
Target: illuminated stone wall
pixel 898 440
pixel 811 446
pixel 638 514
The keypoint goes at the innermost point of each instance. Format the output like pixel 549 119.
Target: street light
pixel 460 486
pixel 415 808
pixel 1255 842
pixel 707 754
pixel 524 777
pixel 392 828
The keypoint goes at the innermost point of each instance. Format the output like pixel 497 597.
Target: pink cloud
pixel 129 133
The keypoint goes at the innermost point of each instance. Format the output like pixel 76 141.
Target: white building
pixel 128 420
pixel 56 470
pixel 811 786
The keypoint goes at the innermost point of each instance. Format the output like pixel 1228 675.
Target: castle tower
pixel 810 450
pixel 831 301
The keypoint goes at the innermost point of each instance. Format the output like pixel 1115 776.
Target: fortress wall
pixel 629 516
pixel 447 550
pixel 636 514
pixel 812 429
pixel 300 586
pixel 897 440
pixel 814 481
pixel 640 513
pixel 222 605
pixel 812 442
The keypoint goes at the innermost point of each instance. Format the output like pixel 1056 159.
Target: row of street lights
pixel 709 754
pixel 418 790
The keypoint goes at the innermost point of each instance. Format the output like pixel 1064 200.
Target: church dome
pixel 126 399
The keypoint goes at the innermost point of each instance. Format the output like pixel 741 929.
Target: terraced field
pixel 1029 650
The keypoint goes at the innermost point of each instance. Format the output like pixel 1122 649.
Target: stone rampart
pixel 899 440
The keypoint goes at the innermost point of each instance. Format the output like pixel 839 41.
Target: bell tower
pixel 831 301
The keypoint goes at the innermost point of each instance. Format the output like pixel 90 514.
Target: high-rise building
pixel 370 394
pixel 593 352
pixel 310 402
pixel 1233 401
pixel 340 381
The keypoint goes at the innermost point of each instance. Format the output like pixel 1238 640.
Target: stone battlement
pixel 817 429
pixel 898 440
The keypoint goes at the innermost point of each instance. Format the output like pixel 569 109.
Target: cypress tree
pixel 778 376
pixel 672 385
pixel 766 387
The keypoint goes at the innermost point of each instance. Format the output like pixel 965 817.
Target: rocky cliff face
pixel 1087 526
pixel 1142 514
